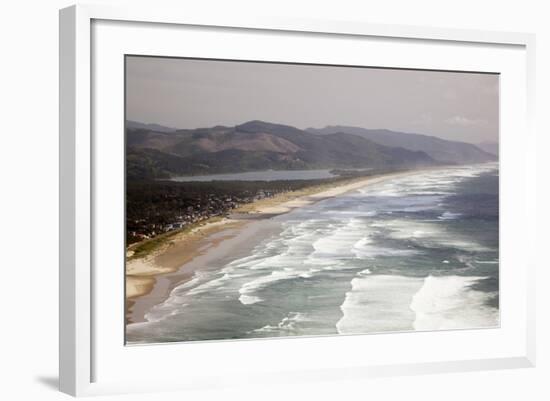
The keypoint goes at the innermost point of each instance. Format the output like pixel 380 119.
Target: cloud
pixel 423 119
pixel 464 121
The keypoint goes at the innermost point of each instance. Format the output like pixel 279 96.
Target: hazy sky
pixel 184 93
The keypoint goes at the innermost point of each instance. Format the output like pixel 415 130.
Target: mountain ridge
pixel 152 126
pixel 442 150
pixel 255 145
pixel 489 147
pixel 260 145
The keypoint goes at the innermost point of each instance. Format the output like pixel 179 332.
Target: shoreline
pixel 142 274
pixel 150 279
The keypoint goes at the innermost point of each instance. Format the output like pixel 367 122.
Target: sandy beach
pixel 142 274
pixel 150 279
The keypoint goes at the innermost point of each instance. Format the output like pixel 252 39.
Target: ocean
pixel 413 253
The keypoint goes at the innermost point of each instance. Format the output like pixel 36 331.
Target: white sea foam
pixel 378 303
pixel 310 273
pixel 249 299
pixel 428 234
pixel 365 249
pixel 449 302
pixel 439 182
pixel 177 300
pixel 198 277
pixel 288 325
pixel 449 216
pixel 365 272
pixel 251 287
pixel 338 243
pixel 209 285
pixel 307 252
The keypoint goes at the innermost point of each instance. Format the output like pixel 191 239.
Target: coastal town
pixel 154 208
pixel 157 207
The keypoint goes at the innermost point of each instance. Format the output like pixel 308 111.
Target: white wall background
pixel 29 214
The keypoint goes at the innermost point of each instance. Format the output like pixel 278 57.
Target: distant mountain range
pixel 152 127
pixel 448 152
pixel 154 151
pixel 489 147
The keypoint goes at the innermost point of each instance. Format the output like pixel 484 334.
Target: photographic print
pixel 277 199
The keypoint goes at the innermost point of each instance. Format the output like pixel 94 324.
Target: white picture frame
pixel 81 342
